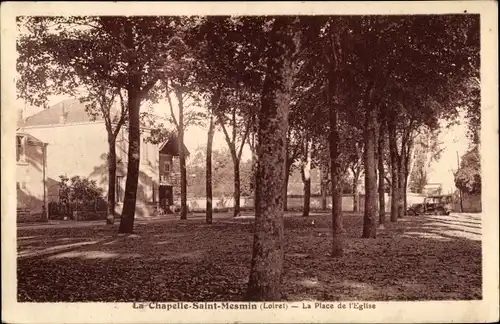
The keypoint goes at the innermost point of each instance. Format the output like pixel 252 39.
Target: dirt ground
pixel 417 258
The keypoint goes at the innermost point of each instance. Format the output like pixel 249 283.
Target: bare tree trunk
pixel 402 193
pixel 182 155
pixel 324 183
pixel 355 194
pixel 254 161
pixel 394 171
pixel 134 151
pixel 337 228
pixel 407 171
pixel 210 139
pixel 369 221
pixel 381 174
pixel 268 246
pixel 306 180
pixel 237 192
pixel 285 185
pixel 110 218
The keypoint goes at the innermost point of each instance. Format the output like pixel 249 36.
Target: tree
pixel 427 148
pixel 293 148
pixel 100 102
pixel 468 175
pixel 381 170
pixel 243 127
pixel 36 83
pixel 305 172
pixel 179 79
pixel 267 257
pixel 228 72
pixel 128 53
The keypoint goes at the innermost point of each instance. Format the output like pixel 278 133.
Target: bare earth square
pixel 417 258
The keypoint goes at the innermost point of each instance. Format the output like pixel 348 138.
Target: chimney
pixel 62 117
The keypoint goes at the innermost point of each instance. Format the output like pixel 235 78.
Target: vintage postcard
pixel 249 162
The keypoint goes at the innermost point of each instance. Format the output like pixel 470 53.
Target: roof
pixel 171 146
pixel 73 110
pixel 31 139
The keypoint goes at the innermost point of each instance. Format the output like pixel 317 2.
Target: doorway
pixel 166 197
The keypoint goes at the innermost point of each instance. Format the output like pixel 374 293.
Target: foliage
pixel 427 149
pixel 222 174
pixel 77 189
pixel 468 176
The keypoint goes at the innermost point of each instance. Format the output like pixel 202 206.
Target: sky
pixel 453 140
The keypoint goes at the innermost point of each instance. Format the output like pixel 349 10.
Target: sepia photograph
pixel 204 163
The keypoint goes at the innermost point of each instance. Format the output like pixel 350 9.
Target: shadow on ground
pixel 417 258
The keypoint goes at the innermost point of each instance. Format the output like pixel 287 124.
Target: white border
pixel 441 311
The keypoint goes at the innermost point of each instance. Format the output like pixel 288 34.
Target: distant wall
pixel 470 203
pixel 199 204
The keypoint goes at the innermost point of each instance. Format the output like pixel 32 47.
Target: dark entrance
pixel 166 196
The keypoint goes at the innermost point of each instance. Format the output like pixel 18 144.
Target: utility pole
pixel 460 190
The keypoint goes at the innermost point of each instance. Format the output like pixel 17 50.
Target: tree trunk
pixel 337 228
pixel 408 166
pixel 110 218
pixel 134 150
pixel 210 139
pixel 324 184
pixel 369 221
pixel 237 192
pixel 355 194
pixel 285 185
pixel 306 180
pixel 254 165
pixel 381 174
pixel 182 156
pixel 394 170
pixel 402 193
pixel 268 246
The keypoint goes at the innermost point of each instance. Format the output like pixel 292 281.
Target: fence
pixel 78 210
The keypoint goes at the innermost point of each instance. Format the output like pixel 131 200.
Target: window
pixel 20 156
pixel 119 189
pixel 166 167
pixel 155 190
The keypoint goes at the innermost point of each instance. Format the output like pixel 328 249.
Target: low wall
pixel 470 203
pixel 293 203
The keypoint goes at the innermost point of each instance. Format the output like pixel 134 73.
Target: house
pixel 432 189
pixel 169 184
pixel 79 147
pixel 31 170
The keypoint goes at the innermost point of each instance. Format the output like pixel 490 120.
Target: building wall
pixel 29 181
pixel 81 150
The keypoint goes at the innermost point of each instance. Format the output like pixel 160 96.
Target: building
pixel 78 147
pixel 31 181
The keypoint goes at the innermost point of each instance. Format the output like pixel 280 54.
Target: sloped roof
pixel 32 140
pixel 73 109
pixel 171 146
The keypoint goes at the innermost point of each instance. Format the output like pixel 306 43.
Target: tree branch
pixel 245 135
pixel 171 106
pixel 123 114
pixel 231 145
